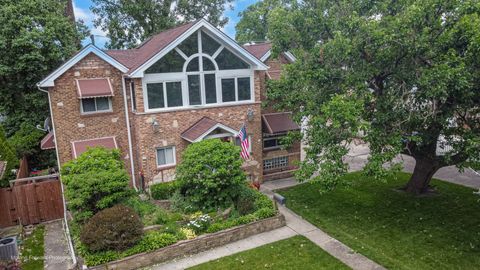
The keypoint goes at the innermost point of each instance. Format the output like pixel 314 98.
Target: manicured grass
pixel 293 253
pixel 33 249
pixel 393 228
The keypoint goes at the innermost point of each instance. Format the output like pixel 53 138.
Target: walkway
pixel 56 248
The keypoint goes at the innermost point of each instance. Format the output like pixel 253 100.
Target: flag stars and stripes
pixel 244 143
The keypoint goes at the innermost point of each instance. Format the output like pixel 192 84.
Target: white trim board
pixel 49 80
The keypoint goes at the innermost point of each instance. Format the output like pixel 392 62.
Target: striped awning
pixel 78 147
pixel 90 88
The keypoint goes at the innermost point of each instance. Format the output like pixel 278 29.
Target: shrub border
pixel 189 247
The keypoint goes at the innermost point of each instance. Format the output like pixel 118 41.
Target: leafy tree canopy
pixel 253 24
pixel 35 38
pixel 405 73
pixel 129 22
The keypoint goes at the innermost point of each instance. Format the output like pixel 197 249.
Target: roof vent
pixel 8 248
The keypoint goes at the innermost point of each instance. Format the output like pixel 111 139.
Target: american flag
pixel 245 144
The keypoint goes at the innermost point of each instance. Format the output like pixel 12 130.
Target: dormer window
pixel 198 72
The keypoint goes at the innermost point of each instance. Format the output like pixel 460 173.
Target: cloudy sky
pixel 82 11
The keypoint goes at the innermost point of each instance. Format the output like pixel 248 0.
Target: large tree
pixel 405 73
pixel 253 24
pixel 129 22
pixel 35 37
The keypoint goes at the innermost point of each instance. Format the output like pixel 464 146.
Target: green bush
pixel 94 159
pixel 245 202
pixel 150 241
pixel 210 173
pixel 7 153
pixel 149 212
pixel 115 228
pixel 163 191
pixel 263 206
pixel 94 181
pixel 91 192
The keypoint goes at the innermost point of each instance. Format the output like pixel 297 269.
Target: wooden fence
pixel 31 203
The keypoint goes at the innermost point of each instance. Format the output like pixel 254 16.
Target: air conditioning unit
pixel 8 248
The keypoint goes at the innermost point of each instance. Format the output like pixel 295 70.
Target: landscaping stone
pixel 165 204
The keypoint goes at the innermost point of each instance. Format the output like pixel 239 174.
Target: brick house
pixel 180 86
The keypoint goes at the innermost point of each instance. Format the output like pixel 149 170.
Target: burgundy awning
pixel 78 147
pixel 88 88
pixel 48 142
pixel 274 123
pixel 202 128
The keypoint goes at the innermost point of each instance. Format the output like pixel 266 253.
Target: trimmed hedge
pixel 163 191
pixel 115 228
pixel 151 241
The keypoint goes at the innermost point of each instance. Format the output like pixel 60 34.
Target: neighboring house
pixel 178 87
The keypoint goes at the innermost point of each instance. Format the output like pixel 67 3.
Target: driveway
pixel 358 155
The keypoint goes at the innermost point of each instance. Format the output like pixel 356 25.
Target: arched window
pixel 200 71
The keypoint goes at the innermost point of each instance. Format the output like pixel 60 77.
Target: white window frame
pixel 169 164
pixel 183 78
pixel 110 109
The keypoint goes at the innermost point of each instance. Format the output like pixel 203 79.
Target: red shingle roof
pixel 259 50
pixel 200 128
pixel 134 58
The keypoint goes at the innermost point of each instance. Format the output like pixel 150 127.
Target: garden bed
pixel 193 246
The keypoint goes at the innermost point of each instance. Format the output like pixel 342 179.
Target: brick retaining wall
pixel 199 244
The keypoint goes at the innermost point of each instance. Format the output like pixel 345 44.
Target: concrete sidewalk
pixel 57 256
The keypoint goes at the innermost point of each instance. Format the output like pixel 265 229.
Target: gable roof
pixel 157 46
pixel 263 50
pixel 134 58
pixel 202 128
pixel 259 49
pixel 134 61
pixel 49 80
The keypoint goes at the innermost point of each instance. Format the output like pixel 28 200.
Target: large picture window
pixel 200 71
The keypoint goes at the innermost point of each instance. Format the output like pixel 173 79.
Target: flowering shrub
pixel 189 233
pixel 199 222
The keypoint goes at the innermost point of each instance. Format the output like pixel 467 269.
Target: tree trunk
pixel 422 174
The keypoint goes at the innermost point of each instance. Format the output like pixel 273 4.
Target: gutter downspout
pixel 67 230
pixel 129 133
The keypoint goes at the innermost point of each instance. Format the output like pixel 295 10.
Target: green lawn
pixel 33 249
pixel 395 229
pixel 293 253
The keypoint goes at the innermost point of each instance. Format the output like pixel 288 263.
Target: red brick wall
pixel 172 124
pixel 70 125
